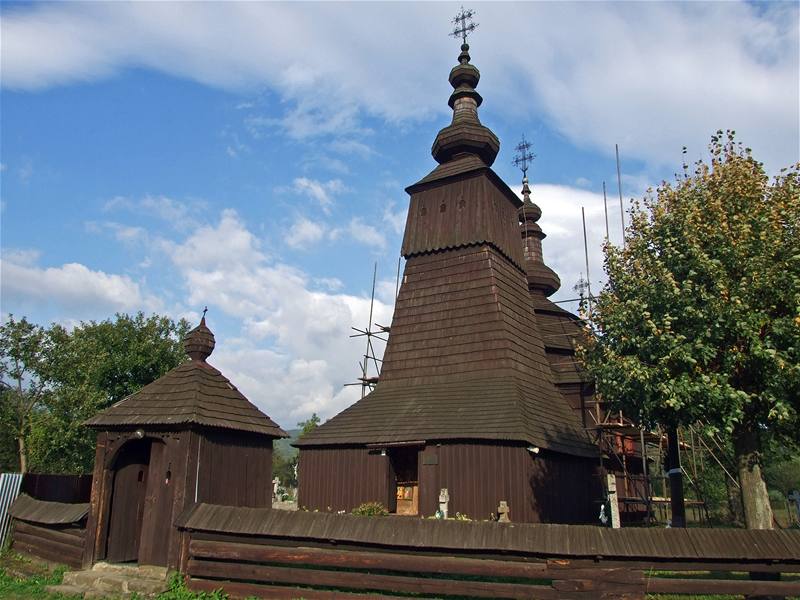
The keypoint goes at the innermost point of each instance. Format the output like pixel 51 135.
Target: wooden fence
pixel 54 531
pixel 309 557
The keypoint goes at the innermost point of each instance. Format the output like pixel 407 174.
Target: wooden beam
pixel 365 560
pixel 722 586
pixel 350 580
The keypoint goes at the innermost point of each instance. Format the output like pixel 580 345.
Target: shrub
pixel 371 509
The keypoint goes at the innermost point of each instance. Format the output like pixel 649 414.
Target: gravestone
pixel 503 512
pixel 444 502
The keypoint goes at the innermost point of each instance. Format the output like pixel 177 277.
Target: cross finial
pixel 463 25
pixel 524 156
pixel 205 310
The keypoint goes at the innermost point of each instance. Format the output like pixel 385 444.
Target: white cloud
pixel 73 286
pixel 123 233
pixel 362 232
pixel 294 352
pixel 179 215
pixel 647 75
pixel 396 219
pixel 303 234
pixel 321 192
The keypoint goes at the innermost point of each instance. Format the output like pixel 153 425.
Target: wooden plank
pixel 250 572
pixel 47 534
pixel 46 553
pixel 722 586
pixel 776 567
pixel 68 552
pixel 237 589
pixel 366 560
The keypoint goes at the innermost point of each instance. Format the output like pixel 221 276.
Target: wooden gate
pixel 127 501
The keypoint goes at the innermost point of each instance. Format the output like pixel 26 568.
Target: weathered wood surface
pixel 364 560
pixel 63 546
pixel 722 586
pixel 351 580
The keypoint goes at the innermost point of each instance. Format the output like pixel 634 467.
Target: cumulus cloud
pixel 319 191
pixel 361 232
pixel 72 286
pixel 293 352
pixel 303 234
pixel 645 75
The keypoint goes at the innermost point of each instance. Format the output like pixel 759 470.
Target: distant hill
pixel 283 445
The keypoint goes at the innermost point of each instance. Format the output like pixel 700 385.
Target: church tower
pixel 466 399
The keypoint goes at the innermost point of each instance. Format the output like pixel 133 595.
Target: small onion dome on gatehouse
pixel 466 134
pixel 199 342
pixel 192 394
pixel 540 277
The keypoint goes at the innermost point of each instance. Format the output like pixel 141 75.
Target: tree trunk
pixel 755 500
pixel 675 479
pixel 23 455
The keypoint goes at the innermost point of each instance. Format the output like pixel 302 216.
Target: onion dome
pixel 199 342
pixel 540 277
pixel 466 134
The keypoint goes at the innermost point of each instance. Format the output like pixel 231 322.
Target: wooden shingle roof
pixel 194 393
pixel 464 361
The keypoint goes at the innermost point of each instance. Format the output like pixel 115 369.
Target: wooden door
pixel 156 529
pixel 404 464
pixel 127 501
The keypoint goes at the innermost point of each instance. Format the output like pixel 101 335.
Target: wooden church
pixel 188 437
pixel 467 400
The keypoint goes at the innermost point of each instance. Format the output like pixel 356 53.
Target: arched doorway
pixel 129 488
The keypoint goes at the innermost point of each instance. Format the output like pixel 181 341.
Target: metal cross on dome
pixel 463 25
pixel 524 156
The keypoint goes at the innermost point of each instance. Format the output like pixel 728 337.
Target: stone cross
pixel 444 501
pixel 503 512
pixel 795 497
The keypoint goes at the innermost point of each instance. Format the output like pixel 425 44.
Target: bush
pixel 371 509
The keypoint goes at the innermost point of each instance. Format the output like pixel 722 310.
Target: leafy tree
pixel 25 356
pixel 56 379
pixel 309 425
pixel 699 322
pixel 283 468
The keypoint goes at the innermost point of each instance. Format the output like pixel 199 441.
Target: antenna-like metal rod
pixel 619 185
pixel 605 208
pixel 369 331
pixel 586 255
pixel 397 281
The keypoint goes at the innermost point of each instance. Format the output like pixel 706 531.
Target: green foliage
pixel 178 591
pixel 371 509
pixel 54 379
pixel 700 318
pixel 699 322
pixel 283 468
pixel 310 425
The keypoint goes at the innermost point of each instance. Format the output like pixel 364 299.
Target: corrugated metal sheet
pixel 9 490
pixel 545 540
pixel 26 508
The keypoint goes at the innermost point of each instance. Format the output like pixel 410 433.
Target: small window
pixel 442 207
pixel 140 477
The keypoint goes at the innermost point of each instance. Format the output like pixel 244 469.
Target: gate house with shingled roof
pixel 466 398
pixel 188 437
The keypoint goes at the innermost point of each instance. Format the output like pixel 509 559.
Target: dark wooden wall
pixel 62 544
pixel 460 213
pixel 544 488
pixel 173 453
pixel 57 488
pixel 341 478
pixel 548 487
pixel 235 469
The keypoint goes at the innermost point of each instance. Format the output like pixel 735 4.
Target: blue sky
pixel 252 157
